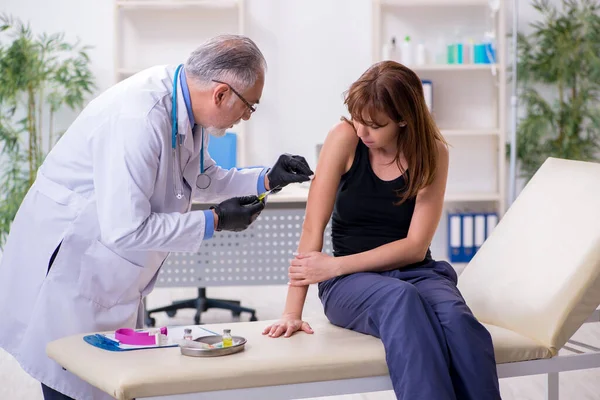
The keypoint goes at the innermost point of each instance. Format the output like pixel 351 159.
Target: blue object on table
pixel 224 150
pixel 102 342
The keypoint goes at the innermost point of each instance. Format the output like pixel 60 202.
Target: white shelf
pixel 465 96
pixel 169 4
pixel 453 67
pixel 471 197
pixel 437 3
pixel 469 132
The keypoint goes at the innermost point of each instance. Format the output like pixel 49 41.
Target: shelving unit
pixel 453 67
pixel 469 100
pixel 157 32
pixel 448 133
pixel 429 3
pixel 177 3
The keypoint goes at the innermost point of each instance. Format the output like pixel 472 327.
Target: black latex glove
pixel 288 169
pixel 238 213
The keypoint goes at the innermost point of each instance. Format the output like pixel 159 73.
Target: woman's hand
pixel 287 325
pixel 313 267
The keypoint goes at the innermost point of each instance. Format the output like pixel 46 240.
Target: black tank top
pixel 364 215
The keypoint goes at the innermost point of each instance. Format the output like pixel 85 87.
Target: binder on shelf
pixel 467 231
pixel 223 150
pixel 490 224
pixel 455 251
pixel 479 231
pixel 428 93
pixel 468 237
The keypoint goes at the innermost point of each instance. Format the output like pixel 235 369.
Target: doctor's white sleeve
pixel 228 183
pixel 126 159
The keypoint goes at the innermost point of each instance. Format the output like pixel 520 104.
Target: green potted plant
pixel 39 76
pixel 558 75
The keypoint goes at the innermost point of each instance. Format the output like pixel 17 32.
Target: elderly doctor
pixel 114 196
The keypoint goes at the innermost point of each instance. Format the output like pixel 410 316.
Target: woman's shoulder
pixel 340 145
pixel 443 151
pixel 343 133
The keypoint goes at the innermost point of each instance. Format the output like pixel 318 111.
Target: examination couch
pixel 533 283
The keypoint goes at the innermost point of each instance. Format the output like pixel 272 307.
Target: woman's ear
pixel 402 124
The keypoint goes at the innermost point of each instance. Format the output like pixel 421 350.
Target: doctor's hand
pixel 313 267
pixel 238 213
pixel 288 169
pixel 286 326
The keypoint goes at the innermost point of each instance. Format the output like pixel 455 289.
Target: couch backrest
pixel 538 274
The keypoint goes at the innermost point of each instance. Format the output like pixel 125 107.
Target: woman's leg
pixel 473 364
pixel 393 311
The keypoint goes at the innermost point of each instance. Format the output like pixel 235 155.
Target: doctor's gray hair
pixel 234 59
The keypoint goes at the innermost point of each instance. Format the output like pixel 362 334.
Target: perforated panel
pixel 259 255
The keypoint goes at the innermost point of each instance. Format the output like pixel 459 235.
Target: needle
pixel 268 192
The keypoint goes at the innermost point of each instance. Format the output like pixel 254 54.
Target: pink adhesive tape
pixel 129 336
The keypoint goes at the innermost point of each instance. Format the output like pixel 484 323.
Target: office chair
pixel 200 304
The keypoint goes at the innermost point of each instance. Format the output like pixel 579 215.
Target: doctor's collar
pixel 186 97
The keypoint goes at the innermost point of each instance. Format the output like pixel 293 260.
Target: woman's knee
pixel 459 318
pixel 401 296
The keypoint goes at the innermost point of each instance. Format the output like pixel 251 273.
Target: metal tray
pixel 239 344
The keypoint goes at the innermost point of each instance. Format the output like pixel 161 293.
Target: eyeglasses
pixel 251 107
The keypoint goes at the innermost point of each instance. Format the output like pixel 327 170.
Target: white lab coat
pixel 106 192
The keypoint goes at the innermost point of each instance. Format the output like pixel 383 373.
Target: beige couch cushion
pixel 510 346
pixel 538 273
pixel 331 353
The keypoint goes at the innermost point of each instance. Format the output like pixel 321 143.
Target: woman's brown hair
pixel 396 91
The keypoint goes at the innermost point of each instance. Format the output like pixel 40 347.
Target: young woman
pixel 383 176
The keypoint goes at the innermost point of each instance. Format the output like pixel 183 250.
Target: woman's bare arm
pixel 335 159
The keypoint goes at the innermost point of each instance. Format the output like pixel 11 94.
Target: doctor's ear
pixel 219 94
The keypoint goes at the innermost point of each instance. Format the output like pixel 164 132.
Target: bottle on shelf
pixel 406 53
pixel 440 51
pixel 389 50
pixel 490 47
pixel 421 54
pixel 468 51
pixel 456 49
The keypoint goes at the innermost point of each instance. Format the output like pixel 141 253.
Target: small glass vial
pixel 227 339
pixel 187 334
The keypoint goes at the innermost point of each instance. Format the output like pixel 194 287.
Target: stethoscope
pixel 203 180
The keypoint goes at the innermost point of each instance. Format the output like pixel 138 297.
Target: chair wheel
pixel 171 314
pixel 253 318
pixel 151 322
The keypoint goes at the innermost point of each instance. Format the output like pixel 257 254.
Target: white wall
pixel 315 49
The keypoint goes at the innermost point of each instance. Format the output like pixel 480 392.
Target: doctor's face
pixel 232 105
